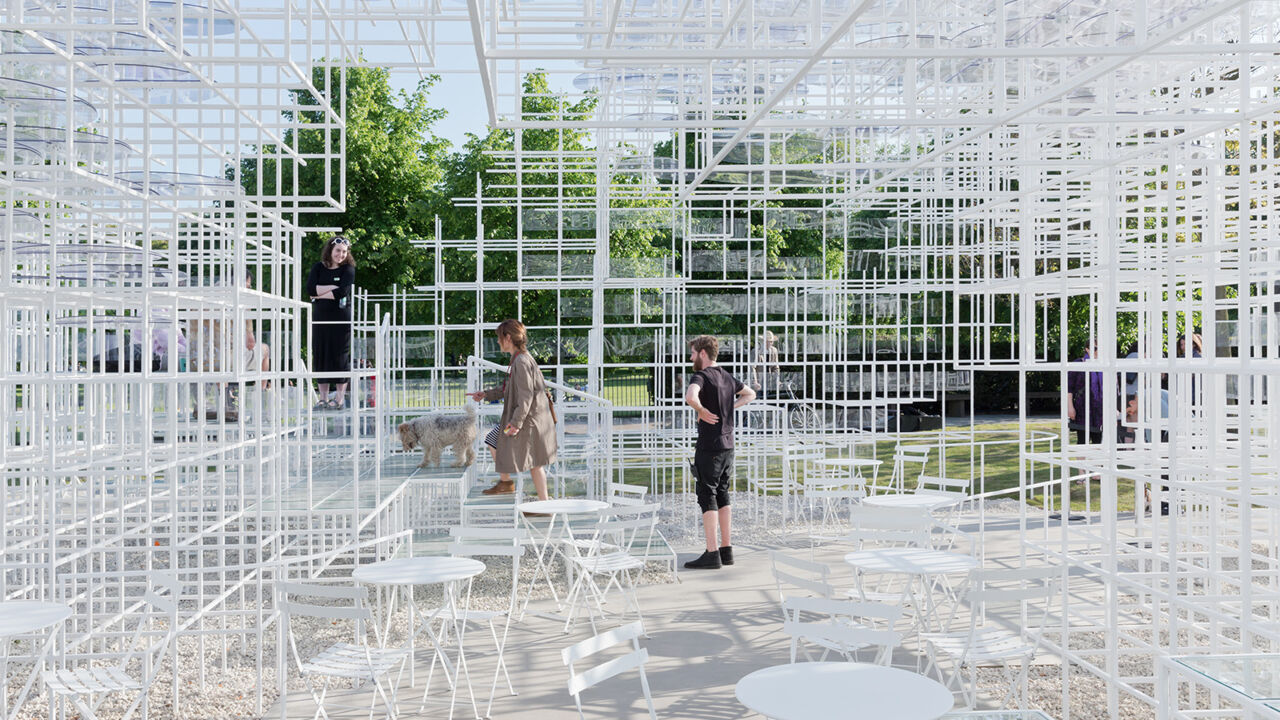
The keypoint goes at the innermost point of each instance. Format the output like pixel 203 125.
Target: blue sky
pixel 460 93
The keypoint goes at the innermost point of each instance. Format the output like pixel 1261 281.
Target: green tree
pixel 394 164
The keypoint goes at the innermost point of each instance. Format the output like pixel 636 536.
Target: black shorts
pixel 713 474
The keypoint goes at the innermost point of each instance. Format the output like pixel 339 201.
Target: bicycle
pixel 801 415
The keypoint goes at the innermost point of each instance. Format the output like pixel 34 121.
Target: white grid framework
pixel 127 236
pixel 1031 157
pixel 906 192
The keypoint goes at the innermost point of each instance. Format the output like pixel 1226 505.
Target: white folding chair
pixel 756 454
pixel 655 548
pixel 799 462
pixel 837 498
pixel 843 626
pixel 493 542
pixel 882 527
pixel 608 554
pixel 579 681
pixel 357 660
pixel 82 684
pixel 624 494
pixel 872 526
pixel 905 458
pixel 1005 627
pixel 834 490
pixel 799 578
pixel 954 490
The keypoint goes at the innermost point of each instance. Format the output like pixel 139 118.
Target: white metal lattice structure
pixel 1035 171
pixel 142 434
pixel 913 196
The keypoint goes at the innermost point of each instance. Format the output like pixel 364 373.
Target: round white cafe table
pixel 26 617
pixel 428 570
pixel 923 566
pixel 547 541
pixel 563 506
pixel 842 691
pixel 923 501
pixel 854 466
pixel 20 617
pixel 849 462
pixel 911 561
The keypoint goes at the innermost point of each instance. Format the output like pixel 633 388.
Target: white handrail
pixel 481 362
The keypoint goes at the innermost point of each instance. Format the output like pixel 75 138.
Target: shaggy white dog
pixel 436 432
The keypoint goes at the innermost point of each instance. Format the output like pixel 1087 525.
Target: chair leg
pixel 319 698
pixel 596 593
pixel 933 664
pixel 635 601
pixel 648 697
pixel 571 601
pixel 591 611
pixel 500 645
pixel 971 698
pixel 86 713
pixel 388 698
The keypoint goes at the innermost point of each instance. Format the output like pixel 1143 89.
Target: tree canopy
pixel 395 165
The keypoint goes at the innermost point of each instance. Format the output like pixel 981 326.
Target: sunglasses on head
pixel 341 241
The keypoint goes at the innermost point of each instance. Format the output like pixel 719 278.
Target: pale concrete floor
pixel 705 633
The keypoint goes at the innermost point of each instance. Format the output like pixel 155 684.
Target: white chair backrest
pixel 505 542
pixel 796 577
pixel 346 602
pixel 879 614
pixel 990 587
pixel 623 494
pixel 844 626
pixel 291 606
pixel 889 527
pixel 912 453
pixel 488 541
pixel 834 486
pixel 905 456
pixel 799 459
pixel 942 484
pixel 797 452
pixel 1008 596
pixel 163 594
pixel 579 681
pixel 626 526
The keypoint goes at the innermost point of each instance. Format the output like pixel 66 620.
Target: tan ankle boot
pixel 502 487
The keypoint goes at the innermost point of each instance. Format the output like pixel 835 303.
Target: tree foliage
pixel 395 163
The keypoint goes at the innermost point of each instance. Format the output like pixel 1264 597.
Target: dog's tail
pixel 470 408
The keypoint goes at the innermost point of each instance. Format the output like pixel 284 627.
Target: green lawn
pixel 628 390
pixel 625 390
pixel 991 463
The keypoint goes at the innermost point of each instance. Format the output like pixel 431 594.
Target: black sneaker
pixel 709 560
pixel 726 555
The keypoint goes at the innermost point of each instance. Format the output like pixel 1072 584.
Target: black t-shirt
pixel 717 389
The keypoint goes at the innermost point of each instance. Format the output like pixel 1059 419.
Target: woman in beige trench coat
pixel 525 438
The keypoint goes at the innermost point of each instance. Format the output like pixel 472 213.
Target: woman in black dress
pixel 329 285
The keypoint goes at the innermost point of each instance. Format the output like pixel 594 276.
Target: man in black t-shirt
pixel 714 394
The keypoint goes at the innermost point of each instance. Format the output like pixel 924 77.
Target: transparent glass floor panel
pixel 341 485
pixel 997 715
pixel 1255 676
